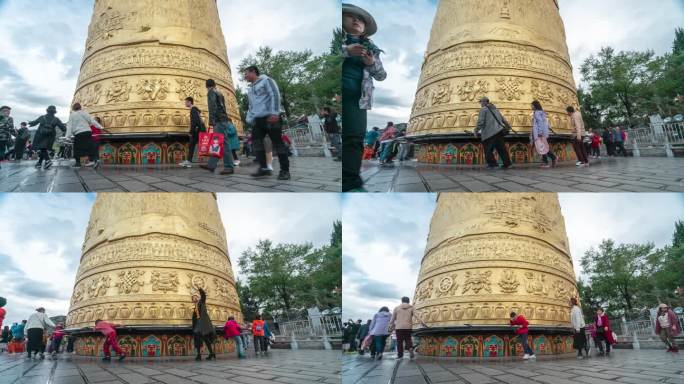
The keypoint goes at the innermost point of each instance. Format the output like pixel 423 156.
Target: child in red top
pixel 109 332
pixel 521 323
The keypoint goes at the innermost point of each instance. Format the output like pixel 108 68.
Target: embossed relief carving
pixel 447 286
pixel 509 282
pixel 189 88
pixel 105 26
pixel 477 281
pixel 425 291
pixel 164 281
pixel 510 88
pixel 119 91
pixel 79 292
pixel 536 284
pixel 473 90
pixel 196 282
pixel 542 91
pixel 98 286
pixel 153 89
pixel 130 281
pixel 442 94
pixel 90 95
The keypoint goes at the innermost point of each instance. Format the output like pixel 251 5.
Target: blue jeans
pixel 526 347
pixel 379 341
pixel 239 346
pixel 336 142
pixel 222 128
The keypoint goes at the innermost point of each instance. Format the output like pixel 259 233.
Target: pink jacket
pixel 674 323
pixel 231 329
pixel 106 328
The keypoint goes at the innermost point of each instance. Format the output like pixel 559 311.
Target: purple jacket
pixel 674 323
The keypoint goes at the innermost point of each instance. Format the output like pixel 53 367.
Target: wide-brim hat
pixel 371 25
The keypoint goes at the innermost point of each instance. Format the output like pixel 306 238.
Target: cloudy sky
pixel 43 42
pixel 385 236
pixel 404 30
pixel 42 236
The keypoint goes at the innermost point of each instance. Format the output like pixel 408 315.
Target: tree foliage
pixel 627 278
pixel 307 82
pixel 627 87
pixel 286 279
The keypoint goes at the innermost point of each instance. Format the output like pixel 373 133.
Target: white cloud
pixel 42 236
pixel 43 42
pixel 404 31
pixel 385 237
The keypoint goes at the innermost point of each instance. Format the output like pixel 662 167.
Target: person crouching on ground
pixel 232 331
pixel 520 323
pixel 667 327
pixel 578 328
pixel 107 329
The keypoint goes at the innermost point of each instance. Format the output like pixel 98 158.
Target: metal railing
pixel 307 134
pixel 639 328
pixel 657 135
pixel 328 325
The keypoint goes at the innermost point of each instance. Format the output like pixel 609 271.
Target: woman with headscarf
pixel 667 327
pixel 45 136
pixel 202 328
pixel 361 66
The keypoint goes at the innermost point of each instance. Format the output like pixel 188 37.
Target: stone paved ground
pixel 281 366
pixel 308 175
pixel 635 174
pixel 623 366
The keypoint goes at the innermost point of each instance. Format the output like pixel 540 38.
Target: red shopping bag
pixel 211 144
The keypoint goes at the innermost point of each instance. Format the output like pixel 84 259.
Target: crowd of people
pixel 372 336
pixel 40 334
pixel 82 132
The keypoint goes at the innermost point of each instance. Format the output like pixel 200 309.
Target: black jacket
pixel 202 325
pixel 217 107
pixel 196 123
pixel 47 131
pixel 330 124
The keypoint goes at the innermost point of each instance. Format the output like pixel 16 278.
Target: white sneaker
pixel 236 163
pixel 270 168
pixel 579 164
pixel 533 357
pixel 526 357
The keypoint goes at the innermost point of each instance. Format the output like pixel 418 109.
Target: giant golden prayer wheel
pixel 514 52
pixel 142 258
pixel 142 59
pixel 488 255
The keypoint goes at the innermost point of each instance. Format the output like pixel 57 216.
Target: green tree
pixel 249 306
pixel 621 83
pixel 619 275
pixel 678 45
pixel 588 301
pixel 337 41
pixel 324 269
pixel 591 113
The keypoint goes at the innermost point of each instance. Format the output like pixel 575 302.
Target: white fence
pixel 308 135
pixel 328 325
pixel 638 328
pixel 657 136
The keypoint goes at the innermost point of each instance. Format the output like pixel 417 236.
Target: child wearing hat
pixel 361 66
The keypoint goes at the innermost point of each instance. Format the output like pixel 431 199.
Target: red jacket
pixel 607 331
pixel 106 328
pixel 2 316
pixel 231 329
pixel 522 321
pixel 258 328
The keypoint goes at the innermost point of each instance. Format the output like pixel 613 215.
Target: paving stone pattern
pixel 308 175
pixel 634 174
pixel 281 366
pixel 622 366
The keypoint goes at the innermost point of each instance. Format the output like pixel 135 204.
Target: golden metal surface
pixel 512 51
pixel 144 254
pixel 490 254
pixel 144 57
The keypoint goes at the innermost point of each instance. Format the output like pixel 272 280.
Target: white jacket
pixel 577 318
pixel 38 320
pixel 79 122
